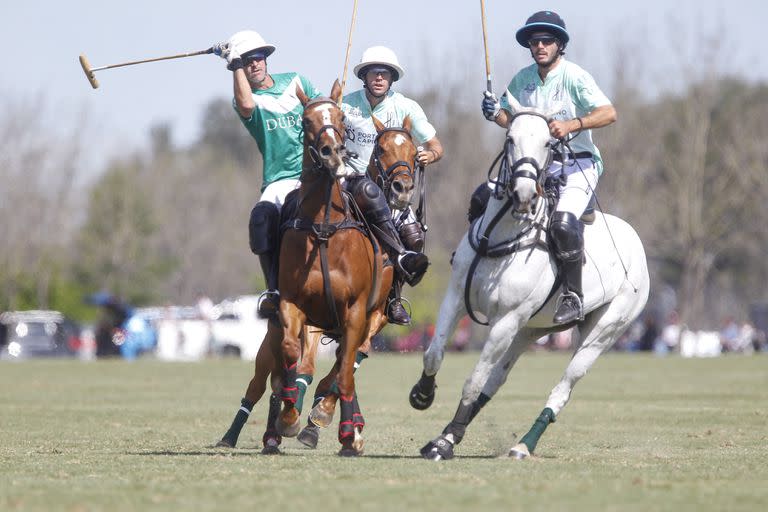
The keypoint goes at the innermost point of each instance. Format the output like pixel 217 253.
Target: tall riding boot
pixel 411 265
pixel 570 307
pixel 270 302
pixel 396 313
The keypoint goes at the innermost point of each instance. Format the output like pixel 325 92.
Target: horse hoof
pixel 358 441
pixel 350 451
pixel 519 451
pixel 271 447
pixel 439 449
pixel 309 436
pixel 224 443
pixel 423 393
pixel 320 416
pixel 287 430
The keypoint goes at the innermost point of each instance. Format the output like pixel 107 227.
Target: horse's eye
pixel 548 144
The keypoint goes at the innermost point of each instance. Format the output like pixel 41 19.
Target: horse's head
pixel 323 125
pixel 393 162
pixel 528 153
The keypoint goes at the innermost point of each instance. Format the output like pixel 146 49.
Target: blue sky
pixel 438 41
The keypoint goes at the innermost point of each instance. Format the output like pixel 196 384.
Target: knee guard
pixel 370 199
pixel 478 202
pixel 263 227
pixel 412 237
pixel 567 234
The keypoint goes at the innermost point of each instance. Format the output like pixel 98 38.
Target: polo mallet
pixel 88 70
pixel 488 86
pixel 349 47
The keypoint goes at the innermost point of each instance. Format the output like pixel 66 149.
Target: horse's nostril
pixel 325 151
pixel 397 187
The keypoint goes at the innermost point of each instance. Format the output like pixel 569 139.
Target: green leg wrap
pixel 530 439
pixel 359 358
pixel 239 422
pixel 302 382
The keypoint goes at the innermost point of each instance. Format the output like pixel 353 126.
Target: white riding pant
pixel 276 191
pixel 581 181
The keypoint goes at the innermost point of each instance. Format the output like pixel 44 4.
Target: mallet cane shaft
pixel 349 47
pixel 488 86
pixel 95 84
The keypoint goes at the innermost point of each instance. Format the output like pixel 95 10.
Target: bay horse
pixel 503 267
pixel 332 274
pixel 392 166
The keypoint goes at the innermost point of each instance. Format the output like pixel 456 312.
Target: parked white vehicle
pixel 237 328
pixel 233 329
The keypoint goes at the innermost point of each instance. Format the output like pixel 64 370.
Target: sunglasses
pixel 546 41
pixel 253 58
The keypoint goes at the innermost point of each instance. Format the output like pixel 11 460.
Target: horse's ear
pixel 407 124
pixel 513 103
pixel 378 124
pixel 302 97
pixel 336 91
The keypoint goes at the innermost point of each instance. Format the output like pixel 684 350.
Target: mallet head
pixel 88 73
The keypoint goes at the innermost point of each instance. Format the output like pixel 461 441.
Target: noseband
pixel 313 148
pixel 388 175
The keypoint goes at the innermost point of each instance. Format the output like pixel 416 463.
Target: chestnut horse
pixel 332 275
pixel 392 166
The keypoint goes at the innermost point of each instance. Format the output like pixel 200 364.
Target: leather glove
pixel 220 49
pixel 233 59
pixel 491 106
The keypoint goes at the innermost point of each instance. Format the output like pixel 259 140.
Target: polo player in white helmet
pixel 379 68
pixel 269 108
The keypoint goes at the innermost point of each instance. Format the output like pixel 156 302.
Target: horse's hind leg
pixel 599 332
pixel 264 366
pixel 310 435
pixel 327 391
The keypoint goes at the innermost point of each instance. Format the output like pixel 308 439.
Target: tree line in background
pixel 688 171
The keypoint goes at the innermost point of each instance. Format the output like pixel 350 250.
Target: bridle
pixel 510 170
pixel 313 148
pixel 387 176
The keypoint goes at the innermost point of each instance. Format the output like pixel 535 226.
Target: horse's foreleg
pixel 264 366
pixel 287 423
pixel 351 422
pixel 497 353
pixel 423 393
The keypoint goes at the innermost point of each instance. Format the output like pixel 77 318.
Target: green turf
pixel 640 433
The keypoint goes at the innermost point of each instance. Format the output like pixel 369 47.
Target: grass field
pixel 640 433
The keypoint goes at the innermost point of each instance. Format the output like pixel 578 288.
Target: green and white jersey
pixel 276 125
pixel 568 92
pixel 361 133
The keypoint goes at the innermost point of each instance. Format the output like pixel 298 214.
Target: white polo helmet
pixel 247 41
pixel 379 55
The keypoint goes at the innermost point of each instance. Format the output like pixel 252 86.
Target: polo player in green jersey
pixel 270 110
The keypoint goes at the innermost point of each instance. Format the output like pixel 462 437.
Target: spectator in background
pixel 669 339
pixel 729 335
pixel 650 333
